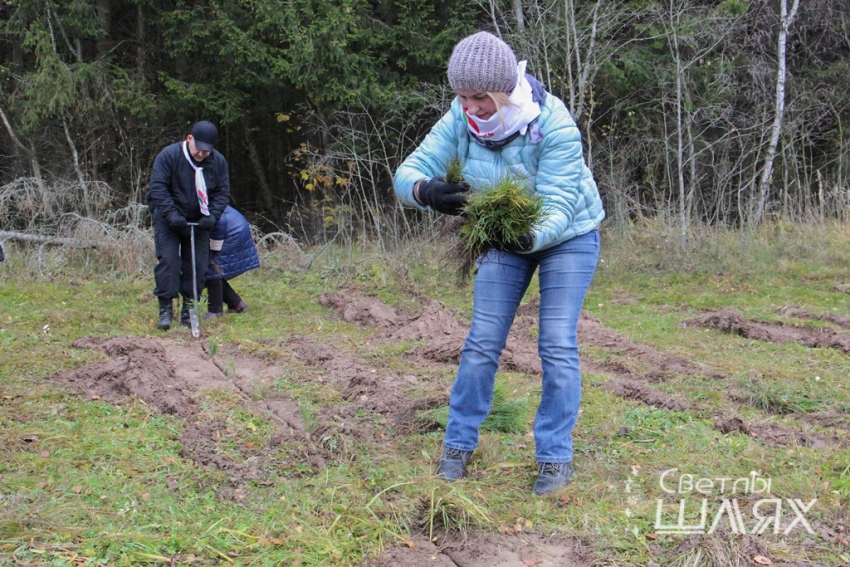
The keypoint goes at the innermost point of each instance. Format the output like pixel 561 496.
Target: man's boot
pixel 166 314
pixel 184 312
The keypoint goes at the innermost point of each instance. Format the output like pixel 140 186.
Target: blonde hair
pixel 500 99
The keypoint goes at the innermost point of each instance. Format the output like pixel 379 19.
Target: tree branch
pixel 26 237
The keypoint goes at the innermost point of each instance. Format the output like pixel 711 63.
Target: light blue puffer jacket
pixel 554 167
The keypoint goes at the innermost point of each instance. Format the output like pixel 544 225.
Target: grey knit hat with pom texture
pixel 483 62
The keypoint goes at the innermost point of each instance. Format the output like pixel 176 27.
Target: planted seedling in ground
pixel 504 417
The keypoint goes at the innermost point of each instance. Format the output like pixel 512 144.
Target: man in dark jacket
pixel 189 184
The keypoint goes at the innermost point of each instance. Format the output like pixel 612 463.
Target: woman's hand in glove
pixel 443 197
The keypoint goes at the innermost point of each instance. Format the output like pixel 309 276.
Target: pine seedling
pixel 503 213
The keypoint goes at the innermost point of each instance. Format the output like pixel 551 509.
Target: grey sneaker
pixel 453 464
pixel 552 477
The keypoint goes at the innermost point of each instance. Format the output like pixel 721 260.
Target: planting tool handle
pixel 193 312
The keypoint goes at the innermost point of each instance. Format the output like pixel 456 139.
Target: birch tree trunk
pixel 786 19
pixel 520 20
pixel 36 168
pixel 675 16
pixel 80 177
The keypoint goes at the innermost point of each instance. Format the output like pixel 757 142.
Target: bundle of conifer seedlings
pixel 498 215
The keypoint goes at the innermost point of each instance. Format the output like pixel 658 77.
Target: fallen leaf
pixel 44 453
pixel 146 496
pixel 529 562
pixel 171 483
pixel 95 397
pixel 762 560
pixel 77 489
pixel 517 528
pixel 650 535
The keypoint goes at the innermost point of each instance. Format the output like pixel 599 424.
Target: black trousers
pixel 220 292
pixel 173 273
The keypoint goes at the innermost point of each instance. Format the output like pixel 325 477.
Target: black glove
pixel 446 198
pixel 207 222
pixel 176 220
pixel 523 244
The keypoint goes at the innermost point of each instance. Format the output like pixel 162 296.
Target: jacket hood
pixel 538 89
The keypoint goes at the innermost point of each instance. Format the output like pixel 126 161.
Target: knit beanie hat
pixel 483 62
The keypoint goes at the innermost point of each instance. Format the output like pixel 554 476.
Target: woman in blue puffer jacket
pixel 504 122
pixel 232 252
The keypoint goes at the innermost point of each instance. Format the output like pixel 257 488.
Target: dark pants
pixel 220 293
pixel 173 273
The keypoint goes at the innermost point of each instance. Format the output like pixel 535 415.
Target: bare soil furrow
pixel 730 321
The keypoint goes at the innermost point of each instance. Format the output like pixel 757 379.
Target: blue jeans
pixel 566 271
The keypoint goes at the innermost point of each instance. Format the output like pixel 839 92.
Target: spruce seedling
pixel 454 171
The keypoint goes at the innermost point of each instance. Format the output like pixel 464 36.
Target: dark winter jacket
pixel 238 253
pixel 173 184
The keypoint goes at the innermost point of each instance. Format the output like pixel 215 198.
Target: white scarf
pixel 200 182
pixel 514 117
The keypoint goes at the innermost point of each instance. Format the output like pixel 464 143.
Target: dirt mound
pixel 730 321
pixel 171 377
pixel 434 323
pixel 165 375
pixel 777 435
pixel 360 310
pixel 168 377
pixel 825 419
pixel 634 390
pixel 798 313
pixel 484 550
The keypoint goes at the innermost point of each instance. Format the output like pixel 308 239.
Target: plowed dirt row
pixel 731 321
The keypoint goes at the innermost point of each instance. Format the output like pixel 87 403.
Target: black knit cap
pixel 205 135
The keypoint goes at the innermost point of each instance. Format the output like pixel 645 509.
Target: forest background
pixel 719 112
